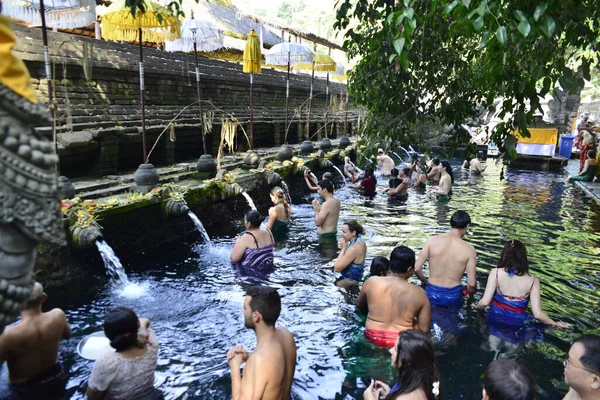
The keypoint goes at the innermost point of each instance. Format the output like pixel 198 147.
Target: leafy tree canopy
pixel 424 62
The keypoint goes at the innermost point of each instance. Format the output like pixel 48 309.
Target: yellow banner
pixel 13 73
pixel 540 136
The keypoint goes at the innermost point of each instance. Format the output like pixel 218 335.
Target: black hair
pixel 415 361
pixel 436 161
pixel 460 220
pixel 369 170
pixel 354 226
pixel 326 184
pixel 121 327
pixel 448 168
pixel 591 153
pixel 266 301
pixel 394 172
pixel 591 356
pixel 379 266
pixel 514 256
pixel 401 259
pixel 508 380
pixel 406 171
pixel 254 218
pixel 414 156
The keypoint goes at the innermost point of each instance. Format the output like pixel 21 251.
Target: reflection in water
pixel 194 295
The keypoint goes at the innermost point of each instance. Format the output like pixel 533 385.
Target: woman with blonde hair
pixel 279 214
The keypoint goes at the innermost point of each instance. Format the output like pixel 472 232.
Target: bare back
pixel 31 346
pixel 476 165
pixel 445 184
pixel 395 305
pixel 449 257
pixel 274 361
pixel 331 210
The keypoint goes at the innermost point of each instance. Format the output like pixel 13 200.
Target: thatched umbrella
pixel 284 54
pixel 321 62
pixel 252 65
pixel 156 23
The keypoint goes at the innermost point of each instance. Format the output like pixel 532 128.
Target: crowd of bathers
pixel 399 314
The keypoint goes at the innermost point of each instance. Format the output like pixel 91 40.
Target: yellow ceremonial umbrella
pixel 155 22
pixel 321 62
pixel 252 60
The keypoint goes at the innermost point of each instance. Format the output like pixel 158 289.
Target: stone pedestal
pixel 146 178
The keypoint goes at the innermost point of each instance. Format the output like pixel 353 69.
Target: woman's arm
pixel 398 188
pixel 346 257
pixel 585 168
pixel 490 289
pixel 272 218
pixel 536 304
pixel 309 183
pixel 240 246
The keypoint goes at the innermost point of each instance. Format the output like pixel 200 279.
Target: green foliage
pixel 433 61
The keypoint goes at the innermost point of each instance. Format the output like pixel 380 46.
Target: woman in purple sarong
pixel 510 288
pixel 254 248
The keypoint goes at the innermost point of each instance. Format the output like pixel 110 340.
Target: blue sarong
pixel 443 296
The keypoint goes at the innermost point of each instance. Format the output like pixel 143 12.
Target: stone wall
pixel 96 87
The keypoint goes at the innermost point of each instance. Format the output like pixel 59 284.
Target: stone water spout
pixel 274 178
pixel 29 202
pixel 173 207
pixel 85 237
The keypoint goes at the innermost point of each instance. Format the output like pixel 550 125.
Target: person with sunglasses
pixel 582 369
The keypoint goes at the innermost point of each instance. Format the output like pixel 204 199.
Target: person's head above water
pixel 261 305
pixel 325 184
pixel 351 229
pixel 380 151
pixel 436 161
pixel 414 357
pixel 36 298
pixel 446 165
pixel 591 154
pixel 402 260
pixel 277 194
pixel 254 219
pixel 369 170
pixel 582 366
pixel 507 380
pixel 394 172
pixel 121 328
pixel 405 171
pixel 514 257
pixel 380 266
pixel 460 220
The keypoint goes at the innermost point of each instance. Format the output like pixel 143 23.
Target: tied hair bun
pixel 254 218
pixel 124 341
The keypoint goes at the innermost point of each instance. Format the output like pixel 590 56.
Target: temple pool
pixel 194 297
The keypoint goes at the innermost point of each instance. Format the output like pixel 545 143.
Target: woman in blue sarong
pixel 253 250
pixel 351 260
pixel 510 288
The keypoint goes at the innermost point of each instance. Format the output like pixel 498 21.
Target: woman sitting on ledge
pixel 254 248
pixel 589 169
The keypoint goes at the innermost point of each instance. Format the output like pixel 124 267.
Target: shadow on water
pixel 194 296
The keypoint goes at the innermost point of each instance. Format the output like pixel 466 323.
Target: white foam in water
pixel 249 200
pixel 342 175
pixel 200 228
pixel 134 290
pixel 112 263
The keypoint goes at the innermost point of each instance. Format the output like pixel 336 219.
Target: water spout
pixel 249 200
pixel 342 175
pixel 406 152
pixel 286 191
pixel 397 155
pixel 200 228
pixel 114 269
pixel 412 150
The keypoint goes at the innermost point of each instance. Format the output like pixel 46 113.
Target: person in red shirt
pixel 368 183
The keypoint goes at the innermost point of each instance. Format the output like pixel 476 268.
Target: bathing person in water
pixel 582 369
pixel 393 304
pixel 475 165
pixel 30 347
pixel 328 213
pixel 313 186
pixel 380 266
pixel 254 248
pixel 413 357
pixel 385 162
pixel 368 183
pixel 435 171
pixel 350 170
pixel 279 214
pixel 351 261
pixel 128 373
pixel 400 190
pixel 269 370
pixel 420 179
pixel 449 257
pixel 507 379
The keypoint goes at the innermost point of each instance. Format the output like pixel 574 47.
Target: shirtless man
pixel 446 181
pixel 582 369
pixel 328 213
pixel 31 350
pixel 435 172
pixel 476 167
pixel 394 304
pixel 385 162
pixel 449 257
pixel 269 371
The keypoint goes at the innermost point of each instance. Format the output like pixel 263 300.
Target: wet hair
pixel 514 256
pixel 448 168
pixel 328 175
pixel 591 153
pixel 591 356
pixel 379 266
pixel 278 193
pixel 436 161
pixel 326 184
pixel 460 220
pixel 406 171
pixel 254 218
pixel 401 259
pixel 35 297
pixel 369 170
pixel 394 172
pixel 354 226
pixel 416 365
pixel 266 301
pixel 508 380
pixel 121 327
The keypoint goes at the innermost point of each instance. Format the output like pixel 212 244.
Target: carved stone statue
pixel 29 204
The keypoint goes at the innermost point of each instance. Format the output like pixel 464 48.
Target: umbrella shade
pixel 340 73
pixel 298 53
pixel 322 62
pixel 60 14
pixel 206 35
pixel 252 57
pixel 157 23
